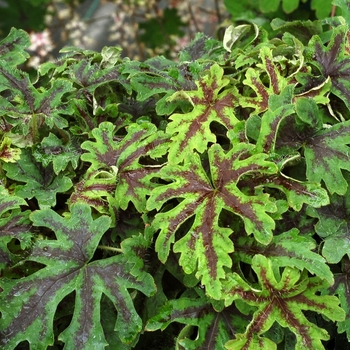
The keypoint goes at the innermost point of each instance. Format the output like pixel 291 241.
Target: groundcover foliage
pixel 198 204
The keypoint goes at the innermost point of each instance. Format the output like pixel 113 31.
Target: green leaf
pixel 279 107
pixel 97 189
pixel 69 267
pixel 206 243
pixel 344 6
pixel 12 48
pixel 333 227
pixel 159 75
pixel 29 106
pixel 7 153
pixel 14 224
pixel 192 130
pixel 41 183
pixel 269 6
pixel 287 249
pixel 326 154
pixel 232 34
pixel 89 76
pixel 333 61
pixel 341 288
pixel 290 5
pixel 281 300
pixel 214 326
pixel 134 178
pixel 325 149
pixel 110 56
pixel 261 88
pixel 59 153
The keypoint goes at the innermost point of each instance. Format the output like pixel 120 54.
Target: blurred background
pixel 142 28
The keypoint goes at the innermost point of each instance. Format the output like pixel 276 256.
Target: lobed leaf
pixel 192 130
pixel 12 48
pixel 14 224
pixel 215 327
pixel 333 227
pixel 40 183
pixel 289 248
pixel 69 267
pixel 333 61
pixel 141 141
pixel 281 300
pixel 206 243
pixel 275 85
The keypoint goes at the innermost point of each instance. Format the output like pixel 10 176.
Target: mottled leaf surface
pixel 68 268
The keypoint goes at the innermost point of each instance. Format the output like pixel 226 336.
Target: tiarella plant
pixel 198 204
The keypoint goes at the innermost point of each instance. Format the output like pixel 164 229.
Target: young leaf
pixel 40 183
pixel 192 130
pixel 69 267
pixel 276 83
pixel 206 243
pixel 54 150
pixel 281 300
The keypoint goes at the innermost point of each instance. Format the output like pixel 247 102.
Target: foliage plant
pixel 198 204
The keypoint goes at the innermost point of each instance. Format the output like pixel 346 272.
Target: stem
pixel 106 247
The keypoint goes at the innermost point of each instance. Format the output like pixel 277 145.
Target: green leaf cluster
pixel 204 200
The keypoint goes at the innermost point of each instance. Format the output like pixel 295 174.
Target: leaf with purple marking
pixel 286 249
pixel 14 224
pixel 281 299
pixel 12 47
pixel 326 149
pixel 69 267
pixel 215 327
pixel 262 89
pixel 142 140
pixel 210 104
pixel 41 183
pixel 29 106
pixel 206 246
pixel 333 61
